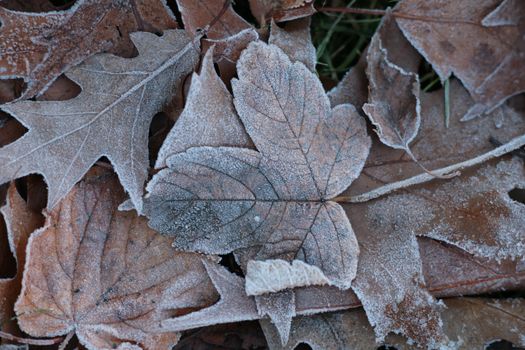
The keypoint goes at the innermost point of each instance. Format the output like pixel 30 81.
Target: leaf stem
pixel 66 340
pixel 30 341
pixel 430 172
pixel 447 102
pixel 510 146
pixel 376 12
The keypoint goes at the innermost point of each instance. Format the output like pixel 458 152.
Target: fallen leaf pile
pixel 205 191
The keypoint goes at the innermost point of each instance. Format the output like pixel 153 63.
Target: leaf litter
pixel 319 216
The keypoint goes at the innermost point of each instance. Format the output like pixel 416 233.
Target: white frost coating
pixel 274 275
pixel 119 98
pixel 503 15
pixel 510 146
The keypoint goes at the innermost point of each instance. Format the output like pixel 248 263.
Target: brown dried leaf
pixel 472 212
pixel 389 279
pixel 110 117
pixel 483 49
pixel 208 119
pixel 450 271
pixel 269 204
pixel 29 5
pixel 295 40
pixel 281 10
pixel 393 101
pixel 218 14
pixel 38 47
pixel 471 323
pixel 104 274
pixel 20 223
pixel 353 88
pixel 280 308
pixel 437 146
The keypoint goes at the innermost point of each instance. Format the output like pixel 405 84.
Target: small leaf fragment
pixel 218 14
pixel 208 119
pixel 270 276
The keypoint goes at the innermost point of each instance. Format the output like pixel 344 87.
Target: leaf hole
pixel 172 5
pixel 62 89
pixel 428 78
pixel 502 345
pixel 158 130
pixel 11 89
pixel 229 262
pixel 62 4
pixel 386 347
pixel 242 8
pixel 517 194
pixel 33 189
pixel 303 346
pixel 38 6
pixel 7 260
pixel 10 129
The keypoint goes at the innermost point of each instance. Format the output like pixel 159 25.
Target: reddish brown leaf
pixel 228 50
pixel 281 10
pixel 353 88
pixel 477 45
pixel 393 100
pixel 40 47
pixel 295 40
pixel 450 271
pixel 216 16
pixel 104 274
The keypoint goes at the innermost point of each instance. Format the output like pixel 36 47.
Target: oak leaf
pixel 472 42
pixel 104 275
pixel 38 47
pixel 273 203
pixel 110 117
